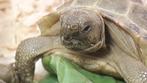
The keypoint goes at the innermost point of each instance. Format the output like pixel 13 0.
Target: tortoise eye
pixel 86 28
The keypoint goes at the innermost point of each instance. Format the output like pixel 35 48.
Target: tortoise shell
pixel 129 15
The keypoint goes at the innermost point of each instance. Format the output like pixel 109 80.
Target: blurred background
pixel 18 21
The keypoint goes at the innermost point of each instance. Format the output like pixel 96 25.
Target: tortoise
pixel 103 36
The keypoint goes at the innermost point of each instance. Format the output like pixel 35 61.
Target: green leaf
pixel 68 72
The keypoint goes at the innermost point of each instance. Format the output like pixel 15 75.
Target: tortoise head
pixel 82 30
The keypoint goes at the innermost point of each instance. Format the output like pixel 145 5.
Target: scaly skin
pixel 121 58
pixel 28 52
pixel 132 70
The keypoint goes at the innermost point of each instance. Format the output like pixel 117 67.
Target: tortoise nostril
pixel 67 38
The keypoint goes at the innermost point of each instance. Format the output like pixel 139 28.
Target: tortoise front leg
pixel 28 52
pixel 124 55
pixel 131 69
pixel 49 25
pixel 31 49
pixel 137 32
